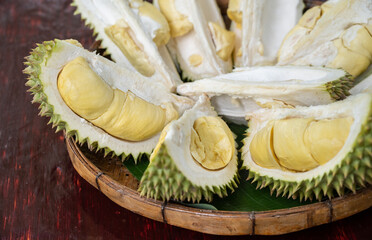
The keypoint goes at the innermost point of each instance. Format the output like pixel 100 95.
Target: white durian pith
pixel 44 65
pixel 197 39
pixel 262 28
pixel 103 14
pixel 349 168
pixel 173 157
pixel 336 34
pixel 247 89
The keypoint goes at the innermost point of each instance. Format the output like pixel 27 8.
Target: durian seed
pixel 123 115
pixel 195 60
pixel 179 24
pixel 223 40
pixel 120 34
pixel 212 143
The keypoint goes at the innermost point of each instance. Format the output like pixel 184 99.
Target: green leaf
pixel 137 169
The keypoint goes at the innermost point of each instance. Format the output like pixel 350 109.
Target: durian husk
pixel 353 171
pixel 163 181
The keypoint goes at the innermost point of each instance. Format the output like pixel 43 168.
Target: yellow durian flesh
pixel 212 143
pixel 261 148
pixel 325 138
pixel 119 33
pixel 123 115
pixel 161 35
pixel 331 35
pixel 289 146
pixel 223 40
pixel 299 144
pixel 234 12
pixel 354 50
pixel 179 24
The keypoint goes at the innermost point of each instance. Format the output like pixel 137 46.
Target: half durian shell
pixel 101 14
pixel 245 90
pixel 349 169
pixel 174 174
pixel 337 34
pixel 264 25
pixel 43 67
pixel 198 43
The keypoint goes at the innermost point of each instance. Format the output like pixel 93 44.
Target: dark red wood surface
pixel 41 195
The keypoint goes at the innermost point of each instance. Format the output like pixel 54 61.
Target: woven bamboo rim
pixel 115 181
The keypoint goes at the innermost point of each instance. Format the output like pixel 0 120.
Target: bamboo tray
pixel 114 180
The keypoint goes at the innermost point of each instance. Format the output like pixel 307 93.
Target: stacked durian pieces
pixel 285 75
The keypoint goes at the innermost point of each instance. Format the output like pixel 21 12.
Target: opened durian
pixel 199 41
pixel 99 102
pixel 235 94
pixel 337 34
pixel 134 32
pixel 311 152
pixel 260 26
pixel 195 157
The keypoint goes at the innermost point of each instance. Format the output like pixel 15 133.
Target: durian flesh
pixel 311 152
pixel 200 43
pixel 336 34
pixel 121 114
pixel 236 94
pixel 95 96
pixel 134 33
pixel 195 157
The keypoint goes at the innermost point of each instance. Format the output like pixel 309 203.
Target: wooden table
pixel 41 195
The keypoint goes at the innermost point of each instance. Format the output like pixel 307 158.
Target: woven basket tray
pixel 114 180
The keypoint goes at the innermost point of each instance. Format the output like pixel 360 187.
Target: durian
pixel 200 44
pixel 134 32
pixel 235 94
pixel 311 152
pixel 195 158
pixel 99 102
pixel 260 26
pixel 337 34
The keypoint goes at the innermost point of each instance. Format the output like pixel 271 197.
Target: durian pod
pixel 235 94
pixel 260 26
pixel 134 33
pixel 199 43
pixel 195 158
pixel 337 34
pixel 330 156
pixel 69 82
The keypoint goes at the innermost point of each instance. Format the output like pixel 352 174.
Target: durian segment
pixel 173 173
pixel 44 66
pixel 336 34
pixel 247 89
pixel 289 146
pixel 212 142
pixel 128 34
pixel 260 26
pixel 121 114
pixel 198 29
pixel 348 169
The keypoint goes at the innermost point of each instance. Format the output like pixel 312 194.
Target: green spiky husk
pixel 339 89
pixel 352 172
pixel 33 63
pixel 163 181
